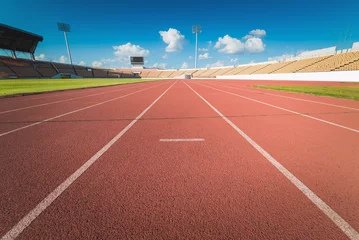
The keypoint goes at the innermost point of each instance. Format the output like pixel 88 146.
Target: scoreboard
pixel 137 60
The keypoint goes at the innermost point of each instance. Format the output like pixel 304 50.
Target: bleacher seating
pixel 64 68
pixel 354 66
pixel 84 71
pixel 165 74
pixel 99 73
pixel 199 72
pixel 5 71
pixel 252 69
pixel 209 72
pixel 177 73
pixel 300 64
pixel 273 67
pixel 332 63
pixel 45 69
pixel 153 74
pixel 223 71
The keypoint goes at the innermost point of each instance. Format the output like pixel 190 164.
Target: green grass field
pixel 26 86
pixel 349 92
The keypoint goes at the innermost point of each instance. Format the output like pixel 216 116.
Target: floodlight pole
pixel 68 47
pixel 195 30
pixel 63 27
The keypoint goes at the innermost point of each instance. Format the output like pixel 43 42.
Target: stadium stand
pixel 46 69
pixel 333 62
pixel 223 71
pixel 190 72
pixel 209 72
pixel 177 73
pixel 99 73
pixel 5 72
pixel 166 73
pixel 354 66
pixel 153 74
pixel 84 71
pixel 64 68
pixel 273 67
pixel 240 69
pixel 252 69
pixel 300 64
pixel 199 72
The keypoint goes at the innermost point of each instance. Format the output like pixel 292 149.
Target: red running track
pixel 140 187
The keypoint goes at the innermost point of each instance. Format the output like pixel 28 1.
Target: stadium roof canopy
pixel 18 40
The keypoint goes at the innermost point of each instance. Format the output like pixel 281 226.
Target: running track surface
pixel 176 159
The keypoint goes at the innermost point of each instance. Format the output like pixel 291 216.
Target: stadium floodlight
pixel 63 27
pixel 195 30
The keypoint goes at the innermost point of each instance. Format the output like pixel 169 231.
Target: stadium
pixel 113 128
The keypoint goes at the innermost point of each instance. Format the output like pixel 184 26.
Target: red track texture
pixel 143 188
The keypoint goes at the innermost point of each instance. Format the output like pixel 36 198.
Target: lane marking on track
pixel 75 111
pixel 42 95
pixel 294 98
pixel 284 109
pixel 65 100
pixel 325 208
pixel 46 202
pixel 181 139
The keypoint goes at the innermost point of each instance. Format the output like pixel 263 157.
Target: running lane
pixel 14 120
pixel 34 161
pixel 8 103
pixel 322 156
pixel 219 188
pixel 346 117
pixel 248 86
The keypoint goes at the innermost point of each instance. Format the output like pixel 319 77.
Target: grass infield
pixel 349 92
pixel 28 86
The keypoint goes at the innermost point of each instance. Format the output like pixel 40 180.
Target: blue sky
pixel 102 30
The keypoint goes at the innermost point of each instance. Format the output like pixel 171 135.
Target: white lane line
pixel 181 139
pixel 49 199
pixel 65 100
pixel 325 208
pixel 294 98
pixel 75 111
pixel 284 109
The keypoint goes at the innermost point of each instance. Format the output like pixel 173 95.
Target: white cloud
pixel 204 56
pixel 216 64
pixel 63 59
pixel 123 52
pixel 254 45
pixel 40 57
pixel 282 58
pixel 82 63
pixel 174 39
pixel 96 64
pixel 184 65
pixel 229 45
pixel 247 37
pixel 258 33
pixel 190 57
pixel 210 43
pixel 234 60
pixel 203 49
pixel 164 56
pixel 160 65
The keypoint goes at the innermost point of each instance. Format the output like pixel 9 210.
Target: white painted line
pixel 181 139
pixel 325 208
pixel 49 199
pixel 294 98
pixel 65 100
pixel 75 111
pixel 284 109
